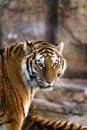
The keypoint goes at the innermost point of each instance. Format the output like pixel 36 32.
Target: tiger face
pixel 43 63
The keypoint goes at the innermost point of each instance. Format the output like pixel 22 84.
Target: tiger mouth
pixel 46 87
pixel 43 86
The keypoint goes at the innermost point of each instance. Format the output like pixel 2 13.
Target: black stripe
pixel 27 65
pixel 10 121
pixel 33 58
pixel 2 51
pixel 3 93
pixel 3 96
pixel 40 41
pixel 16 47
pixel 2 60
pixel 79 128
pixel 2 114
pixel 45 50
pixel 11 48
pixel 40 127
pixel 41 50
pixel 30 73
pixel 3 84
pixel 1 124
pixel 33 73
pixel 71 126
pixel 64 125
pixel 27 68
pixel 7 52
pixel 49 48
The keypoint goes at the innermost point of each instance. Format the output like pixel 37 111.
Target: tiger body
pixel 24 67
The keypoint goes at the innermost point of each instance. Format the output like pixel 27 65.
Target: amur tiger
pixel 24 67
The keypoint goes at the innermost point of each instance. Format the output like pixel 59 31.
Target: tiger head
pixel 43 63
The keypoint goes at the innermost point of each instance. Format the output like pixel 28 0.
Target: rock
pixel 50 110
pixel 73 108
pixel 79 97
pixel 80 119
pixel 73 31
pixel 49 106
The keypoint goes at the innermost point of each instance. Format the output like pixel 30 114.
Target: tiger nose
pixel 49 82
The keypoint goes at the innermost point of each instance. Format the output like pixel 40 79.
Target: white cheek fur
pixel 40 59
pixel 24 71
pixel 54 58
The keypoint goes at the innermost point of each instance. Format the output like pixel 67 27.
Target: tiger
pixel 25 67
pixel 36 122
pixel 18 80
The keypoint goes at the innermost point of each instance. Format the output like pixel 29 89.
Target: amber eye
pixel 39 64
pixel 55 63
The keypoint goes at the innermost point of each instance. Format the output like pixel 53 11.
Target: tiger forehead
pixel 41 57
pixel 45 51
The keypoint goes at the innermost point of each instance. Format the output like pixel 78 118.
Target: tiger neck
pixel 14 63
pixel 14 72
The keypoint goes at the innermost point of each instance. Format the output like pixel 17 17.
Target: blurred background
pixel 53 20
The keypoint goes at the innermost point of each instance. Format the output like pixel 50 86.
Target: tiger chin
pixel 24 67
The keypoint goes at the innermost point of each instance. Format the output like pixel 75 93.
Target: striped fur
pixel 37 122
pixel 24 67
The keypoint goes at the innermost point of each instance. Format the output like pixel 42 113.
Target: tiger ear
pixel 60 46
pixel 28 47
